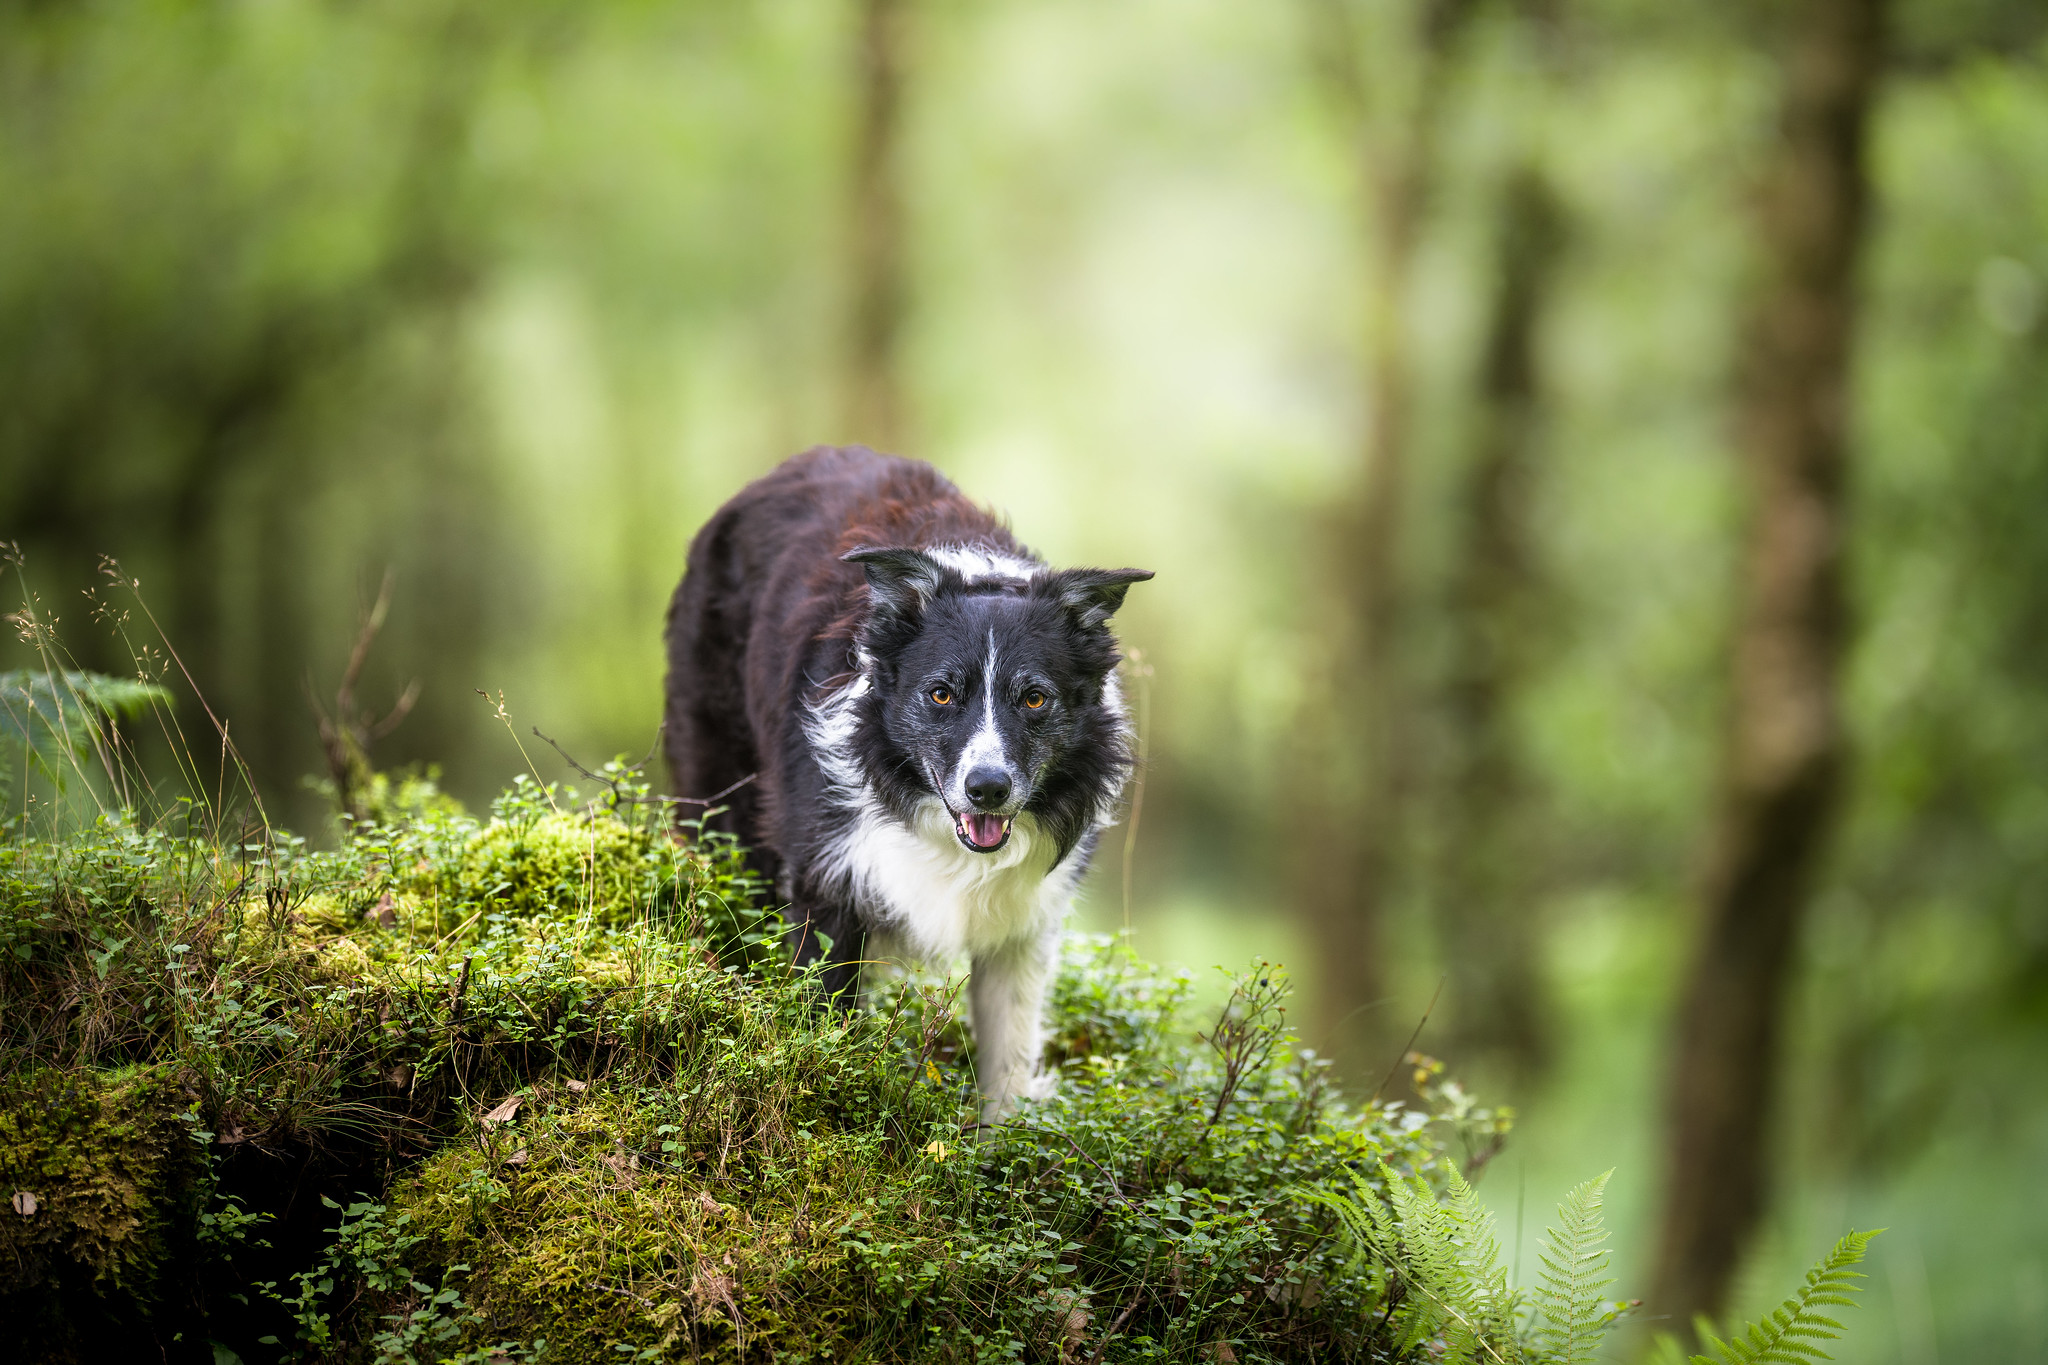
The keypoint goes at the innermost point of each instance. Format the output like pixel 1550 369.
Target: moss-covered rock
pixel 703 1161
pixel 106 1183
pixel 584 1231
pixel 544 1089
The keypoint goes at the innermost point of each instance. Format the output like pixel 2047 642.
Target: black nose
pixel 988 788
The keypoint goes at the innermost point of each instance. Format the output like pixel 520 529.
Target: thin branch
pixel 570 761
pixel 660 729
pixel 1137 1295
pixel 347 735
pixel 713 799
pixel 1409 1047
pixel 613 783
pixel 344 696
pixel 400 709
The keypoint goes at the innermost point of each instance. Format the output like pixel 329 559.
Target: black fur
pixel 824 564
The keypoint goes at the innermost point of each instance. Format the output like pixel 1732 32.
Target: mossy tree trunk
pixel 1783 756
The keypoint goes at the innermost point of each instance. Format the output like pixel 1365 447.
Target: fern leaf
pixel 1358 1217
pixel 1790 1333
pixel 1450 1249
pixel 1574 1259
pixel 1438 1256
pixel 1423 1254
pixel 52 716
pixel 1497 1302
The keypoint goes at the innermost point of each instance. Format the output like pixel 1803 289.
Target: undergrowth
pixel 544 1087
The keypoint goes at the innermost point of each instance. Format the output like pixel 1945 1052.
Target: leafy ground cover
pixel 542 1086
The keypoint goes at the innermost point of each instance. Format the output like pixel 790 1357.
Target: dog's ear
pixel 900 581
pixel 1093 595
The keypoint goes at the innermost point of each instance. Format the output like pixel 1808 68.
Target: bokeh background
pixel 505 296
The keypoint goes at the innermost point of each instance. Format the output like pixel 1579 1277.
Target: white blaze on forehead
pixel 973 562
pixel 986 748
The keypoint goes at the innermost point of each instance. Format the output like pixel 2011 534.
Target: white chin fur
pixel 943 898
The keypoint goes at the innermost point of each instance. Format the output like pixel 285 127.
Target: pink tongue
pixel 984 830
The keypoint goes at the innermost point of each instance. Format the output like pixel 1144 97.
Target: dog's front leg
pixel 1007 995
pixel 830 937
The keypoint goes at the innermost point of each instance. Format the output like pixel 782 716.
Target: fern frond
pixel 1429 1254
pixel 1408 1243
pixel 1574 1259
pixel 54 716
pixel 1790 1333
pixel 1355 1214
pixel 1496 1300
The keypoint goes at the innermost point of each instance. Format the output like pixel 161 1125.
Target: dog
pixel 930 717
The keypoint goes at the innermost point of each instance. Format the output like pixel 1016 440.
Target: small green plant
pixel 1434 1261
pixel 369 1260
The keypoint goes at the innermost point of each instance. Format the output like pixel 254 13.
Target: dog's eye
pixel 1034 699
pixel 943 695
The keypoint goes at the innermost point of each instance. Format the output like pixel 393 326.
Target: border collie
pixel 933 716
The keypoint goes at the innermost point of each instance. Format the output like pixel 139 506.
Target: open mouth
pixel 982 833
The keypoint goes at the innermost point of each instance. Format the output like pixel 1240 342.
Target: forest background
pixel 1408 340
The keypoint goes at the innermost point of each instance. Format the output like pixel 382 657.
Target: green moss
pixel 117 1183
pixel 594 1236
pixel 705 1211
pixel 562 864
pixel 801 1185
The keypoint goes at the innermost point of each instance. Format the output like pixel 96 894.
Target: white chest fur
pixel 1003 909
pixel 946 900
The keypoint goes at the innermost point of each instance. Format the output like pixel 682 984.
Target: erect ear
pixel 1093 595
pixel 900 581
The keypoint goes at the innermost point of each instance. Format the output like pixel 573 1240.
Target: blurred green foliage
pixel 509 296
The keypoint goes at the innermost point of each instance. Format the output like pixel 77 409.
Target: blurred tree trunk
pixel 874 395
pixel 1784 747
pixel 1351 772
pixel 1495 1006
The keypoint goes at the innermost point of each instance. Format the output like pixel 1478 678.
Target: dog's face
pixel 990 691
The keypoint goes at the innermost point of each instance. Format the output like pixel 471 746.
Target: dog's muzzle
pixel 982 833
pixel 984 829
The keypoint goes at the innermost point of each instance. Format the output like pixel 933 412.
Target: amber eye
pixel 943 695
pixel 1034 699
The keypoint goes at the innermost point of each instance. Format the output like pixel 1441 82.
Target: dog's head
pixel 989 687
